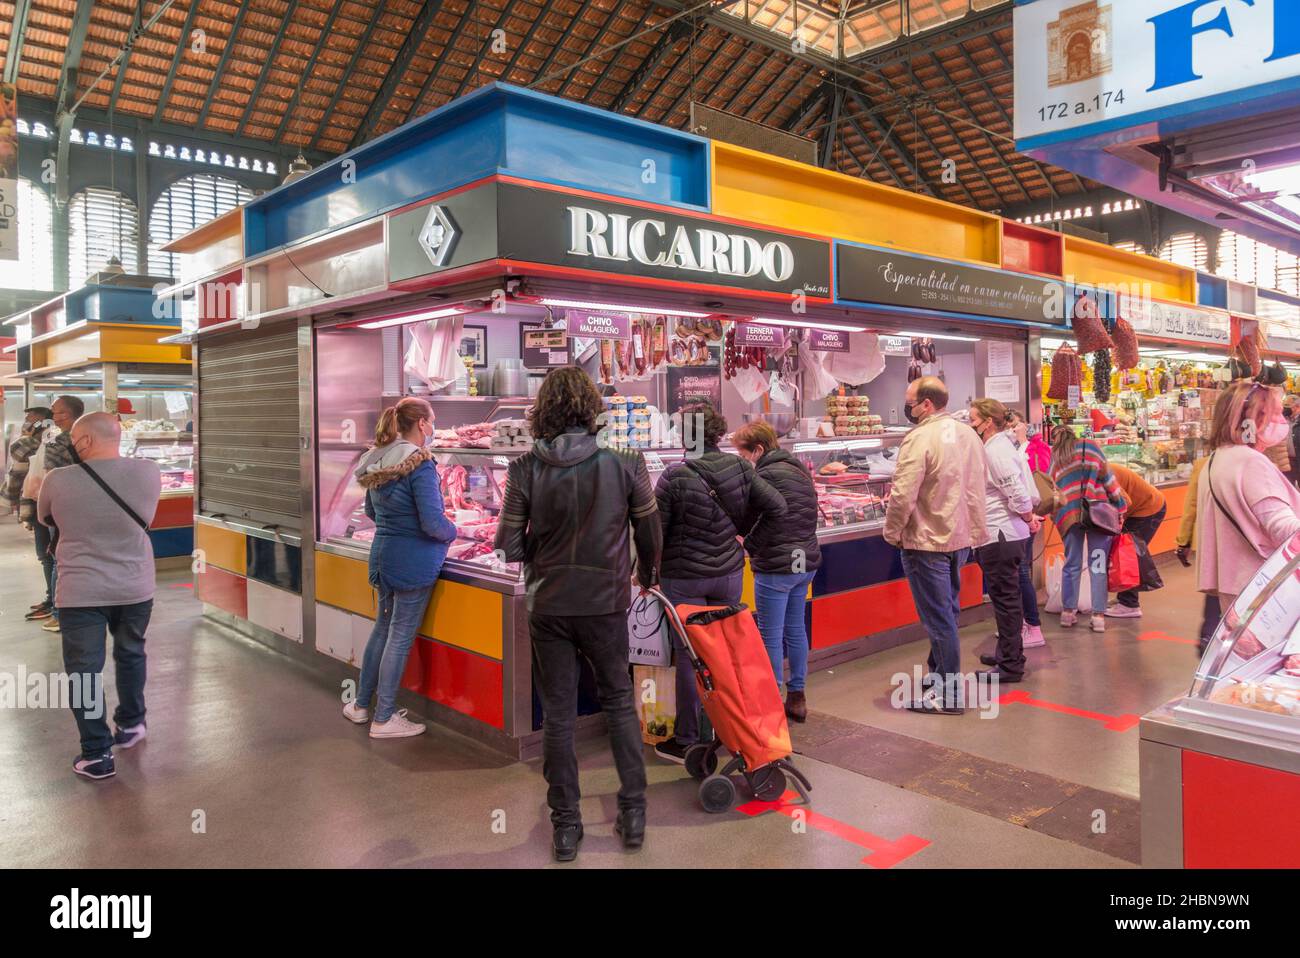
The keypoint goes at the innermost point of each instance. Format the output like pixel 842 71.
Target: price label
pixel 500 461
pixel 654 462
pixel 1072 397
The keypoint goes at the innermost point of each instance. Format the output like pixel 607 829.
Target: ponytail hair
pixel 396 421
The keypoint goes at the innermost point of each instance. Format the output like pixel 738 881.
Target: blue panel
pixel 172 542
pixel 496 129
pixel 114 304
pixel 275 563
pixel 855 564
pixel 558 141
pixel 1211 290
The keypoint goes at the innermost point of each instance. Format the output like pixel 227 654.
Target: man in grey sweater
pixel 101 506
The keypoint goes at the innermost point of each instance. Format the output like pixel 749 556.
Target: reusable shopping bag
pixel 1123 572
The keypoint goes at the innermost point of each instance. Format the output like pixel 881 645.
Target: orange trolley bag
pixel 741 698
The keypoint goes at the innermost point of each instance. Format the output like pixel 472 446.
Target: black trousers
pixel 1000 561
pixel 557 641
pixel 1144 529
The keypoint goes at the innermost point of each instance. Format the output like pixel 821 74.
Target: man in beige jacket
pixel 936 517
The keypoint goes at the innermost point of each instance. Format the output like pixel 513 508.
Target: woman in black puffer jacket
pixel 706 504
pixel 784 556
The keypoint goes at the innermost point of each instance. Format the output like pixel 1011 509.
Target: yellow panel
pixel 222 548
pixel 1099 264
pixel 115 343
pixel 458 614
pixel 771 191
pixel 747 590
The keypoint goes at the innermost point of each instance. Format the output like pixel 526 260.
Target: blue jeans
pixel 384 661
pixel 722 590
pixel 1028 594
pixel 935 581
pixel 42 534
pixel 83 629
pixel 780 600
pixel 1097 557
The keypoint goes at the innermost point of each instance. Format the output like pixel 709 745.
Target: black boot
pixel 796 706
pixel 565 841
pixel 631 826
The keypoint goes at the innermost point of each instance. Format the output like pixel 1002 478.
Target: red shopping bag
pixel 1124 571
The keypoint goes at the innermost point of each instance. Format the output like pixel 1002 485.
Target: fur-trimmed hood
pixel 385 464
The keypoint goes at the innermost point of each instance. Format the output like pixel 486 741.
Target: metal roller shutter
pixel 248 428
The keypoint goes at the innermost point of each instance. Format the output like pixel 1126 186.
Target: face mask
pixel 912 417
pixel 1272 434
pixel 1289 413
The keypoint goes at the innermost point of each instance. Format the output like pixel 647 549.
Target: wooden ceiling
pixel 324 77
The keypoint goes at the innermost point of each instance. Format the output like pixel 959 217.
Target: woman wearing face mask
pixel 1038 457
pixel 404 498
pixel 1245 507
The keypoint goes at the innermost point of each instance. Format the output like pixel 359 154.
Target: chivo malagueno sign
pixel 1080 64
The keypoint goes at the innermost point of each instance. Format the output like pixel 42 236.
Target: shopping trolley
pixel 740 696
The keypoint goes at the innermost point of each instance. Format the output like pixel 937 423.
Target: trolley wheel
pixel 717 794
pixel 768 783
pixel 701 761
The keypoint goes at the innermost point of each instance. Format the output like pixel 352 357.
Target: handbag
pixel 1048 495
pixel 1101 516
pixel 1123 573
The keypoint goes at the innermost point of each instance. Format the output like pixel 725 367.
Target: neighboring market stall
pixel 101 343
pixel 508 232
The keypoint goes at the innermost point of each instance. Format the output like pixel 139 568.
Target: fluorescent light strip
pixel 834 327
pixel 413 317
pixel 956 339
pixel 622 308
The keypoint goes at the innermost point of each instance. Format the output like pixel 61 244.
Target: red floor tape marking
pixel 1165 637
pixel 884 853
pixel 182 585
pixel 1114 723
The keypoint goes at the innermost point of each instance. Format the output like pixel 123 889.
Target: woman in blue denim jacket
pixel 404 498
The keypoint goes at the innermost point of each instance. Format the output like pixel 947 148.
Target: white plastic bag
pixel 1055 568
pixel 862 362
pixel 817 381
pixel 432 356
pixel 749 383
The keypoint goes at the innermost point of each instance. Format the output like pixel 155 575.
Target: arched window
pixel 1129 246
pixel 1236 257
pixel 101 223
pixel 34 268
pixel 185 205
pixel 1185 249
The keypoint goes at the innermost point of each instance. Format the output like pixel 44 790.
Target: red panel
pixel 878 608
pixel 1237 815
pixel 225 590
pixel 1029 250
pixel 458 679
pixel 173 512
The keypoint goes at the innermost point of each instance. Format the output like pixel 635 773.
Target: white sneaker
pixel 1068 619
pixel 396 727
pixel 1032 637
pixel 1118 611
pixel 1098 622
pixel 355 713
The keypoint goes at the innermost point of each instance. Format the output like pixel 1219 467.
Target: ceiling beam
pixel 791 63
pixel 410 46
pixel 604 74
pixel 347 75
pixel 127 49
pixel 487 47
pixel 543 72
pixel 67 87
pixel 587 54
pixel 810 106
pixel 221 64
pixel 456 33
pixel 306 73
pixel 866 170
pixel 968 28
pixel 668 41
pixel 545 9
pixel 17 34
pixel 267 66
pixel 181 44
pixel 688 89
pixel 889 137
pixel 828 141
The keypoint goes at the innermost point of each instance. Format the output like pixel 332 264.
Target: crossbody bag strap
pixel 1209 483
pixel 713 494
pixel 114 496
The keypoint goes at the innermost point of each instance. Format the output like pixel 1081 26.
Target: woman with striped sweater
pixel 1080 471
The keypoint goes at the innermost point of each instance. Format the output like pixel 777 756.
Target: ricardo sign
pixel 561 229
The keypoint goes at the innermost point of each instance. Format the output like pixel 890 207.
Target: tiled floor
pixel 249 746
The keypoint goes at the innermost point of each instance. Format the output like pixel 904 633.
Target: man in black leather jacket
pixel 566 516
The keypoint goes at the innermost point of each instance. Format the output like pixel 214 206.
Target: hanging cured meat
pixel 1126 345
pixel 1089 327
pixel 1067 371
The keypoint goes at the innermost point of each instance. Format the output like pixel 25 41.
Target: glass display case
pixel 172 452
pixel 1249 675
pixel 473 485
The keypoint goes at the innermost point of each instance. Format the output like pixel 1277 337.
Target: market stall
pixel 544 245
pixel 100 343
pixel 1220 767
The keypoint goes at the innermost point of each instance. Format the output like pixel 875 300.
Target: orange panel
pixel 225 590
